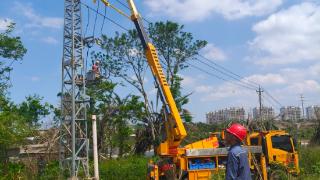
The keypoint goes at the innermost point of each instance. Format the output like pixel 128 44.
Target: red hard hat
pixel 237 130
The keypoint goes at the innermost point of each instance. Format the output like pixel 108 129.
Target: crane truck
pixel 198 160
pixel 194 161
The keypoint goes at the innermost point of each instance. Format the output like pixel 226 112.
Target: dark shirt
pixel 237 164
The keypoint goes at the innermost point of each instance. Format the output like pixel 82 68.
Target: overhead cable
pixel 219 77
pixel 109 19
pixel 274 99
pixel 225 69
pixel 226 74
pixel 124 5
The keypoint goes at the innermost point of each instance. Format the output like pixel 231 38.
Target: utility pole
pixel 260 91
pixel 74 143
pixel 95 147
pixel 302 100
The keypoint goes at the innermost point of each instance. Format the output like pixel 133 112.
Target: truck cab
pixel 278 147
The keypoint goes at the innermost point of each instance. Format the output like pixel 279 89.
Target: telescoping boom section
pixel 175 130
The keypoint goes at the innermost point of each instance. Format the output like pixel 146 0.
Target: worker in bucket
pixel 96 66
pixel 237 164
pixel 96 69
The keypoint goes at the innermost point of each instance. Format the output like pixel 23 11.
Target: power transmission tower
pixel 302 100
pixel 74 143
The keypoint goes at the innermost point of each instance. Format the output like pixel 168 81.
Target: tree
pixel 176 48
pixel 124 57
pixel 115 114
pixel 32 109
pixel 13 129
pixel 315 140
pixel 11 48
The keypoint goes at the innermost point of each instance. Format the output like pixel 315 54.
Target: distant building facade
pixel 266 113
pixel 311 112
pixel 228 114
pixel 290 113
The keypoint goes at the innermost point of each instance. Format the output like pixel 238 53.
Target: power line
pixel 95 20
pixel 226 74
pixel 109 19
pixel 104 18
pixel 274 99
pixel 124 5
pixel 234 74
pixel 225 69
pixel 88 20
pixel 270 101
pixel 219 77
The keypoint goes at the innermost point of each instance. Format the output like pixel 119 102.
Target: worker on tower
pixel 96 68
pixel 237 164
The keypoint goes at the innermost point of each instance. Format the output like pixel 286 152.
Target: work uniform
pixel 237 164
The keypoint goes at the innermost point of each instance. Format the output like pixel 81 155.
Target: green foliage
pixel 130 168
pixel 199 131
pixel 51 172
pixel 13 127
pixel 220 175
pixel 176 47
pixel 116 114
pixel 123 57
pixel 309 160
pixel 15 171
pixel 32 109
pixel 11 47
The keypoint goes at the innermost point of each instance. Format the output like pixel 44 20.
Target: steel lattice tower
pixel 74 143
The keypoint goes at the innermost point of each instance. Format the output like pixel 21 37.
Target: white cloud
pixel 306 86
pixel 36 20
pixel 267 79
pixel 315 70
pixel 4 23
pixel 191 81
pixel 214 53
pixel 204 89
pixel 50 40
pixel 220 92
pixel 288 36
pixel 197 10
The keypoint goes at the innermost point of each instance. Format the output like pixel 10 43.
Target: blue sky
pixel 274 43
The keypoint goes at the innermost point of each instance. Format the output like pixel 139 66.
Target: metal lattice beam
pixel 74 143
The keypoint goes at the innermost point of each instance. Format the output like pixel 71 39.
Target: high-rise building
pixel 290 113
pixel 266 113
pixel 311 112
pixel 228 114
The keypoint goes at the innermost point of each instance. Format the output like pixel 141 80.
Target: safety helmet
pixel 237 130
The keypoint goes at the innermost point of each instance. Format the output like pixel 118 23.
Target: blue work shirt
pixel 237 164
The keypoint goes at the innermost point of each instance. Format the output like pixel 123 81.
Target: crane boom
pixel 175 130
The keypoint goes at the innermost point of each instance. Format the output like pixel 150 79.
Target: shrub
pixel 129 168
pixel 310 160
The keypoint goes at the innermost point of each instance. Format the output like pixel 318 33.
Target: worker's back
pixel 237 164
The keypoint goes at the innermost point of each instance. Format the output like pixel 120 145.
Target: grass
pixel 135 167
pixel 129 168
